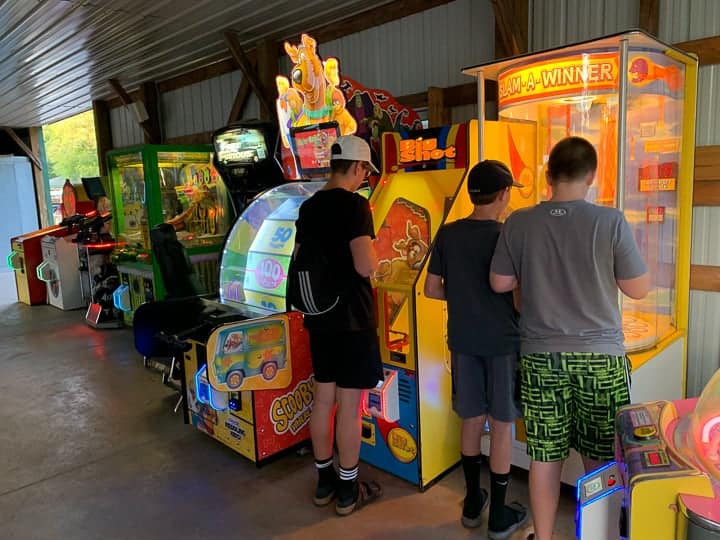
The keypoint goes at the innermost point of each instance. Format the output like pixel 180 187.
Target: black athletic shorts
pixel 349 359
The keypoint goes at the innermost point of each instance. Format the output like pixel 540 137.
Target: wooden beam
pixel 453 96
pixel 243 61
pixel 438 113
pixel 195 138
pixel 706 193
pixel 44 205
pixel 514 36
pixel 24 147
pixel 649 17
pixel 241 98
pixel 268 52
pixel 368 19
pixel 151 126
pixel 707 163
pixel 704 278
pixel 201 74
pixel 125 98
pixel 707 49
pixel 103 134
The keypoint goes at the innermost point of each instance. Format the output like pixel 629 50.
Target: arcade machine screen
pixel 132 217
pixel 242 145
pixel 311 145
pixel 649 198
pixel 258 250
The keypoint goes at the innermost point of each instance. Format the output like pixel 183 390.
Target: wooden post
pixel 103 134
pixel 513 35
pixel 438 113
pixel 150 98
pixel 649 19
pixel 241 98
pixel 43 203
pixel 267 70
pixel 241 58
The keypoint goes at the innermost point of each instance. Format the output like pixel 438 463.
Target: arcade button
pixel 655 458
pixel 611 481
pixel 644 432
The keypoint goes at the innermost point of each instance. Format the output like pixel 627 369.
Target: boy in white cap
pixel 343 338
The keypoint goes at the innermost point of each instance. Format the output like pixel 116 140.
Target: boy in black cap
pixel 484 343
pixel 343 339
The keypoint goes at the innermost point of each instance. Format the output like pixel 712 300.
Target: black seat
pixel 173 261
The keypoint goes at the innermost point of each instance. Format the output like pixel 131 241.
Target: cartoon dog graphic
pixel 312 95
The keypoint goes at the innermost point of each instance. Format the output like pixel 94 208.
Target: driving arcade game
pixel 633 97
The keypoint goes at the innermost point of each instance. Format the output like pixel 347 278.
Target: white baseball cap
pixel 352 148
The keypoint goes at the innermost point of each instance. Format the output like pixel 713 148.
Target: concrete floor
pixel 90 449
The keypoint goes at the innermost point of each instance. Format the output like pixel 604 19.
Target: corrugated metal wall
pixel 203 106
pixel 124 128
pixel 557 22
pixel 403 57
pixel 683 20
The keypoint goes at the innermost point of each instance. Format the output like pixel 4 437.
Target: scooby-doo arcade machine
pixel 177 185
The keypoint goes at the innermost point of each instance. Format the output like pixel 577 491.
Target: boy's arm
pixel 363 255
pixel 503 276
pixel 501 283
pixel 631 274
pixel 434 286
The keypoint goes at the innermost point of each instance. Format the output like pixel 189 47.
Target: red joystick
pixel 611 481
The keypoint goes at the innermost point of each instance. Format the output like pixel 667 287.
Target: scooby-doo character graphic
pixel 410 253
pixel 233 342
pixel 311 96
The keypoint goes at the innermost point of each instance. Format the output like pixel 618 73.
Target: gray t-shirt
pixel 567 257
pixel 480 321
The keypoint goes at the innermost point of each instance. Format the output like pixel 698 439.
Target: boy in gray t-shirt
pixel 569 257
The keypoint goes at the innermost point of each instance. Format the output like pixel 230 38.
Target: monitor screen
pixel 93 187
pixel 241 145
pixel 311 145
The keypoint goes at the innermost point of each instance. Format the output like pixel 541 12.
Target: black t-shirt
pixel 480 321
pixel 334 217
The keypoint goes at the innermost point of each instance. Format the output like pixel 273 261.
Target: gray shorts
pixel 485 385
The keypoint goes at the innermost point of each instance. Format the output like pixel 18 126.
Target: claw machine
pixel 633 98
pixel 154 184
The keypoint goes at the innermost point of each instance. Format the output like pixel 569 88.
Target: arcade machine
pixel 244 158
pixel 409 428
pixel 26 252
pixel 178 185
pixel 665 484
pixel 633 97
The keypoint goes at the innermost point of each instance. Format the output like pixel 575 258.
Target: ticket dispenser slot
pixel 383 401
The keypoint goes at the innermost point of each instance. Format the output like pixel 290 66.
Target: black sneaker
pixel 516 516
pixel 473 508
pixel 325 493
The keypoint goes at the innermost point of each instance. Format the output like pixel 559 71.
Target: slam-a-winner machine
pixel 633 98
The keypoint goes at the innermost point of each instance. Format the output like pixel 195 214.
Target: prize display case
pixel 633 98
pixel 177 185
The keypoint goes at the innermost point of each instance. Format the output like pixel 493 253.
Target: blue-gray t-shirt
pixel 567 257
pixel 480 321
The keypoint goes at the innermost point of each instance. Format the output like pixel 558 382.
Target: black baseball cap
pixel 490 176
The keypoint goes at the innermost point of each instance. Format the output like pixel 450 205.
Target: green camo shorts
pixel 570 400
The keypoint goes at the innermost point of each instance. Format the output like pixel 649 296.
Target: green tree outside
pixel 70 147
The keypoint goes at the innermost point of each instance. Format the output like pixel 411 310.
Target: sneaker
pixel 362 493
pixel 324 493
pixel 473 508
pixel 518 515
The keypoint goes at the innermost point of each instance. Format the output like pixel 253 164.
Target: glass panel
pixel 654 128
pixel 129 179
pixel 194 198
pixel 257 253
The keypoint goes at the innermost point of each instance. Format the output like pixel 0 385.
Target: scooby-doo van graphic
pixel 250 355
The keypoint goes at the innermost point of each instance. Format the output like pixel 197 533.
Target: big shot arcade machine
pixel 408 426
pixel 155 184
pixel 633 97
pixel 665 484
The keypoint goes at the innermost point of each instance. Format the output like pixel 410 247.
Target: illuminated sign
pixel 597 73
pixel 655 214
pixel 662 177
pixel 414 150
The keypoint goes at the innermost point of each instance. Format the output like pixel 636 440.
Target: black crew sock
pixel 500 517
pixel 473 498
pixel 326 471
pixel 348 488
